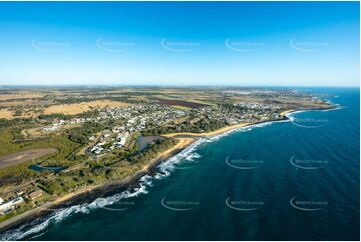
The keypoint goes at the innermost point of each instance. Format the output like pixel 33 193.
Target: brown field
pixel 24 156
pixel 236 99
pixel 24 102
pixel 15 103
pixel 180 103
pixel 6 114
pixel 180 107
pixel 69 109
pixel 76 108
pixel 205 102
pixel 24 94
pixel 166 90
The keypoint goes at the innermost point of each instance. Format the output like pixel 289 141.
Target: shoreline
pixel 230 127
pixel 88 194
pixel 91 193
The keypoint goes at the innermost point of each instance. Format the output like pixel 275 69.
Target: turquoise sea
pixel 291 180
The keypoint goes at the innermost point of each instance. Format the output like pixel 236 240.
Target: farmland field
pixel 76 108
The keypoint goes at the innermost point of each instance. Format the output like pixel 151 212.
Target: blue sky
pixel 180 43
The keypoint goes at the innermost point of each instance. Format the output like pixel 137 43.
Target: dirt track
pixel 24 156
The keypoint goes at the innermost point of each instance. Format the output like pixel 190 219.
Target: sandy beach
pixel 212 133
pixel 284 113
pixel 182 144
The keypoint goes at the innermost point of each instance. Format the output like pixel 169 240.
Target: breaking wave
pixel 188 154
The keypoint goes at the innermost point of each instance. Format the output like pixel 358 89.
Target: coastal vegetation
pixel 192 124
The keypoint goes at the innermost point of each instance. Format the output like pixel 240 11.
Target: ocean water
pixel 292 180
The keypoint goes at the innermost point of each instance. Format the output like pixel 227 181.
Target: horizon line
pixel 168 86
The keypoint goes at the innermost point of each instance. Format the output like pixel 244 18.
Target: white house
pixel 8 206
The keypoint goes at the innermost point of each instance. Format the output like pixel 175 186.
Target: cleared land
pixel 76 108
pixel 20 95
pixel 24 156
pixel 25 102
pixel 180 103
pixel 6 114
pixel 39 132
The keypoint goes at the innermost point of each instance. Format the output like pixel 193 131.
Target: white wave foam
pixel 41 224
pixel 289 115
pixel 193 156
pixel 196 155
pixel 247 128
pixel 38 235
pixel 189 154
pixel 338 107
